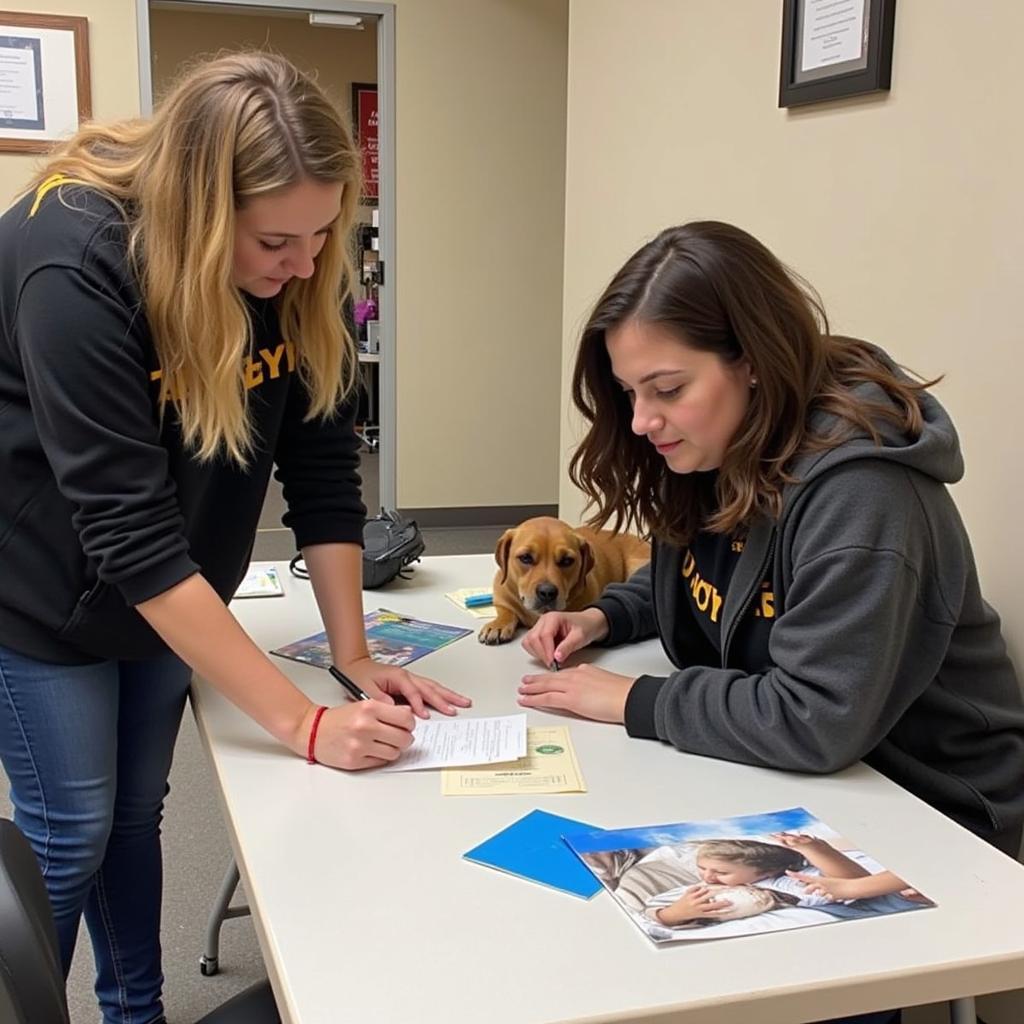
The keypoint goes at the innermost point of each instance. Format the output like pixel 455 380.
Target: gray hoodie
pixel 882 648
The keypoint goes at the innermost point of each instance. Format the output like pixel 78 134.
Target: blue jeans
pixel 87 749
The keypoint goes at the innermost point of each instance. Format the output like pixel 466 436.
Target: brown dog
pixel 546 565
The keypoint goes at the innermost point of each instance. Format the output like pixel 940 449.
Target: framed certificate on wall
pixel 44 79
pixel 835 48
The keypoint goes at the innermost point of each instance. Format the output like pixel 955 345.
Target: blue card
pixel 532 848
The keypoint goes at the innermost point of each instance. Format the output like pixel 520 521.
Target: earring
pixel 753 382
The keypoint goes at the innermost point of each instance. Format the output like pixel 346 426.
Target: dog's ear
pixel 586 561
pixel 501 553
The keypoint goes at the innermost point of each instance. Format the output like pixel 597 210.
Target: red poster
pixel 364 117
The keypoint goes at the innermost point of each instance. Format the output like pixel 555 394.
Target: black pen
pixel 353 687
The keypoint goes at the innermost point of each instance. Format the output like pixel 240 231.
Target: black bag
pixel 390 543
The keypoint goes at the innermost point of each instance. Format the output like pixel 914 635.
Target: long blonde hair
pixel 240 125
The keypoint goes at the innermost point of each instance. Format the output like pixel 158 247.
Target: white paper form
pixel 18 99
pixel 833 32
pixel 448 742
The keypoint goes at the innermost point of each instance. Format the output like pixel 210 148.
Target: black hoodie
pixel 101 505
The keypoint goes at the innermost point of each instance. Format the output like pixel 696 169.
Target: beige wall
pixel 113 57
pixel 480 179
pixel 906 212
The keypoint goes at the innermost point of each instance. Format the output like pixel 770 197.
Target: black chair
pixel 31 981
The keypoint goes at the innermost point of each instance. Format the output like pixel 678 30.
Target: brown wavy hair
pixel 722 291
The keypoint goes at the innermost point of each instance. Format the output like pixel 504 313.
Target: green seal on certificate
pixel 550 748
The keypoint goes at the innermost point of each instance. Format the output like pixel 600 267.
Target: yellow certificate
pixel 550 766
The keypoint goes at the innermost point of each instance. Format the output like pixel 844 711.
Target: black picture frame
pixel 870 72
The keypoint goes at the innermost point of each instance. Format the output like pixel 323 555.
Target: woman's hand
pixel 363 734
pixel 386 682
pixel 696 903
pixel 556 635
pixel 585 690
pixel 370 733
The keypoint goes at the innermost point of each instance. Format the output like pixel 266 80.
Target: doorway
pixel 349 45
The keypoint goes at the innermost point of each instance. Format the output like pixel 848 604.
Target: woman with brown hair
pixel 170 331
pixel 811 580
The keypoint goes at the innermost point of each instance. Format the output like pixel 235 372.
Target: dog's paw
pixel 496 632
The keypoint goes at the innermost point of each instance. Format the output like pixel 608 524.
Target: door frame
pixel 386 202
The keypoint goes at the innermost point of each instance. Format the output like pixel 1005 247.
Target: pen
pixel 395 615
pixel 479 600
pixel 353 687
pixel 555 667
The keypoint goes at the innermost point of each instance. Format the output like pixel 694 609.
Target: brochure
pixel 740 876
pixel 532 848
pixel 550 766
pixel 261 580
pixel 392 639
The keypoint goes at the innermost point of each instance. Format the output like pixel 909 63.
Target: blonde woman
pixel 169 332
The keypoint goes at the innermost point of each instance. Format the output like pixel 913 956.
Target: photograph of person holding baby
pixel 741 875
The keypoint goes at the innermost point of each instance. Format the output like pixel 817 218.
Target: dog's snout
pixel 547 593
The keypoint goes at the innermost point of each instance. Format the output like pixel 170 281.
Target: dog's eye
pixel 565 561
pixel 525 559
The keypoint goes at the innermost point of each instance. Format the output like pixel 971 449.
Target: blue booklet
pixel 532 848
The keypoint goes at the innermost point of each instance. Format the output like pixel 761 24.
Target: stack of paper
pixel 550 766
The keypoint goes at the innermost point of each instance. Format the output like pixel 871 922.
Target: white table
pixel 366 911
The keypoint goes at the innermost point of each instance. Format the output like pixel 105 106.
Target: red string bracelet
pixel 310 755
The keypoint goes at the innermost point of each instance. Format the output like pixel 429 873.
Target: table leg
pixel 962 1011
pixel 209 962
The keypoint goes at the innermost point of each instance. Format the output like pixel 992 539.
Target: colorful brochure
pixel 261 580
pixel 392 639
pixel 740 876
